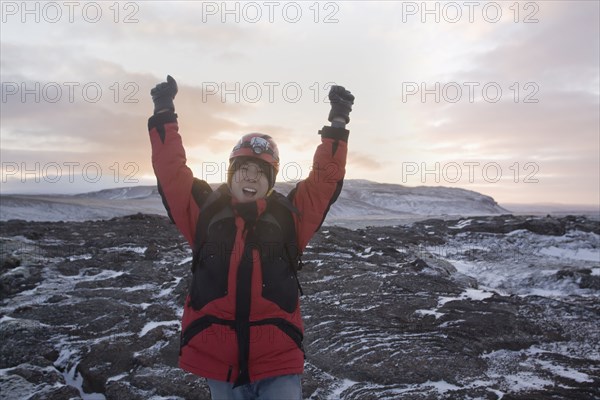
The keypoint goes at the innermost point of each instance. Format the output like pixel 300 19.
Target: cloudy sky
pixel 497 97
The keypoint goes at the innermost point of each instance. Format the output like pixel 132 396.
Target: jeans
pixel 285 387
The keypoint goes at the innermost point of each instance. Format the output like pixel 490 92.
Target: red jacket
pixel 236 328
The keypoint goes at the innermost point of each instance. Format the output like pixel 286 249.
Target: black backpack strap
pixel 215 202
pixel 283 210
pixel 286 327
pixel 199 325
pixel 201 191
pixel 164 200
pixel 287 203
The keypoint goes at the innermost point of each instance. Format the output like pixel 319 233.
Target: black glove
pixel 163 95
pixel 341 103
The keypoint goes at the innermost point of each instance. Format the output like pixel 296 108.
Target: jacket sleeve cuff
pixel 334 133
pixel 158 120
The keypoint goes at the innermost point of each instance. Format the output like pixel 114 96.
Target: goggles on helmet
pixel 258 145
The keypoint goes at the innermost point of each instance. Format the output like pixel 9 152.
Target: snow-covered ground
pixel 525 263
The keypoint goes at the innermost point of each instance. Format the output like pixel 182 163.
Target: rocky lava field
pixel 496 307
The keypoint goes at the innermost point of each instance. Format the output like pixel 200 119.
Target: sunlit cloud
pixel 546 115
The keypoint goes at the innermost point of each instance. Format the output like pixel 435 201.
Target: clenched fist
pixel 163 95
pixel 341 104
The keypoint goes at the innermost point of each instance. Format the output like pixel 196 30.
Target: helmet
pixel 257 145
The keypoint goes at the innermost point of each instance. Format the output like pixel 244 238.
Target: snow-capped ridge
pixel 360 200
pixel 124 193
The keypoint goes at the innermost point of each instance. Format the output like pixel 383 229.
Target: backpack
pixel 216 208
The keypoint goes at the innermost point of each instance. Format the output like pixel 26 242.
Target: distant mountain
pixel 384 198
pixel 360 200
pixel 124 193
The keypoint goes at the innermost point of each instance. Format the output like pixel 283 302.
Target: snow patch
pixel 565 372
pixel 145 286
pixel 336 394
pixel 185 260
pixel 468 294
pixel 441 386
pixel 429 312
pixel 67 362
pixel 573 254
pixel 134 249
pixel 117 377
pixel 461 224
pixel 80 257
pixel 154 324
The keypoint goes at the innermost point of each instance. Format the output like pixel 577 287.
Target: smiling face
pixel 249 182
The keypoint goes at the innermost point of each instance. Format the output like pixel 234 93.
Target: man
pixel 241 327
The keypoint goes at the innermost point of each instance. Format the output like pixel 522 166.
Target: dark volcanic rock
pixel 545 226
pixel 583 277
pixel 390 312
pixel 10 263
pixel 576 222
pixel 19 279
pixel 31 338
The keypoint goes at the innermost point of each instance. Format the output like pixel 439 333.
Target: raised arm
pixel 315 195
pixel 180 191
